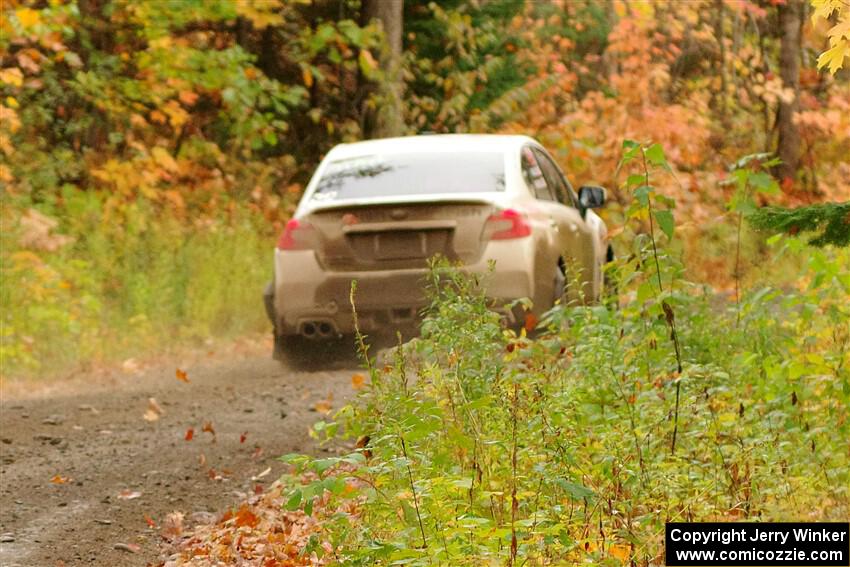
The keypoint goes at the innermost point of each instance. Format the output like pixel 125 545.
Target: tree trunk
pixel 788 147
pixel 719 98
pixel 387 120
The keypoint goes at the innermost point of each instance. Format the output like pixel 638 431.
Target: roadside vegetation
pixel 576 437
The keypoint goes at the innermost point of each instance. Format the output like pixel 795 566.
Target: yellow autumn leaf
pixel 12 102
pixel 176 115
pixel 10 119
pixel 621 552
pixel 28 17
pixel 307 75
pixel 323 407
pixel 12 76
pixel 5 174
pixel 840 31
pixel 367 62
pixel 834 57
pixel 824 8
pixel 164 159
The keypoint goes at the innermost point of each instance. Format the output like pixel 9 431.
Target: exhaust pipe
pixel 318 329
pixel 308 330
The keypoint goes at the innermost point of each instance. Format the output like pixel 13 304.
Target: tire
pixel 268 301
pixel 560 285
pixel 610 292
pixel 298 353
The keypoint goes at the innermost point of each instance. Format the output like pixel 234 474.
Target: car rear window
pixel 412 174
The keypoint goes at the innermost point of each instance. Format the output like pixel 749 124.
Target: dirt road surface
pixel 86 479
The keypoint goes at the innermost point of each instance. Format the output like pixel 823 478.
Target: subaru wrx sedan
pixel 376 211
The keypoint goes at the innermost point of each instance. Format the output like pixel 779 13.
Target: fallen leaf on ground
pixel 258 452
pixel 130 366
pixel 245 517
pixel 182 376
pixel 59 479
pixel 154 410
pixel 129 494
pixel 243 437
pixel 149 521
pixel 208 428
pixel 262 474
pixel 128 547
pixel 323 406
pixel 202 460
pixel 357 381
pixel 172 525
pixel 190 434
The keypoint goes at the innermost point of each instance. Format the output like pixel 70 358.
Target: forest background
pixel 151 150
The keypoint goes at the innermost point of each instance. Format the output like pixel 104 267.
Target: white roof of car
pixel 431 143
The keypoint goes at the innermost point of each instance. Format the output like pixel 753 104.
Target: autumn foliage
pixel 150 151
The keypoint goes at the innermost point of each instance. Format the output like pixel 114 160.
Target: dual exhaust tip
pixel 318 330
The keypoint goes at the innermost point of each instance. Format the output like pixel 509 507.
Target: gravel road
pixel 87 479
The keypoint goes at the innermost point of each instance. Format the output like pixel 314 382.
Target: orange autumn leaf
pixel 530 322
pixel 208 428
pixel 323 406
pixel 59 479
pixel 182 375
pixel 149 521
pixel 187 97
pixel 243 437
pixel 172 525
pixel 190 434
pixel 246 518
pixel 357 381
pixel 621 552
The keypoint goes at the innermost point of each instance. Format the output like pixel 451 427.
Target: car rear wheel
pixel 610 293
pixel 299 353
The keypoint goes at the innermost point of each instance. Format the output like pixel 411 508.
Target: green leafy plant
pixel 480 444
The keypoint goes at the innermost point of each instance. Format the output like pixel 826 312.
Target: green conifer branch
pixel 830 222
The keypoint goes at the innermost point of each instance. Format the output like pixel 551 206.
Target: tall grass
pixel 136 280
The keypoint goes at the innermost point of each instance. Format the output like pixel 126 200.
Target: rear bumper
pixel 305 294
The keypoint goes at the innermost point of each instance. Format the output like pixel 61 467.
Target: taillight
pixel 295 236
pixel 508 224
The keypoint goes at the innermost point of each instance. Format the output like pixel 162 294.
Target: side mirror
pixel 591 196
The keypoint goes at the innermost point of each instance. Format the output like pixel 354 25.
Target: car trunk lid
pixel 399 235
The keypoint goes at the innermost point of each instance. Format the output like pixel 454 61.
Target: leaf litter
pixel 260 532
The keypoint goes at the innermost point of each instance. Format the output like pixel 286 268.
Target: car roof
pixel 431 143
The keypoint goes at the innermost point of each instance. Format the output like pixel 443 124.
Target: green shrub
pixel 478 435
pixel 482 446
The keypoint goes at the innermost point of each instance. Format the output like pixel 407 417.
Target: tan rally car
pixel 376 211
